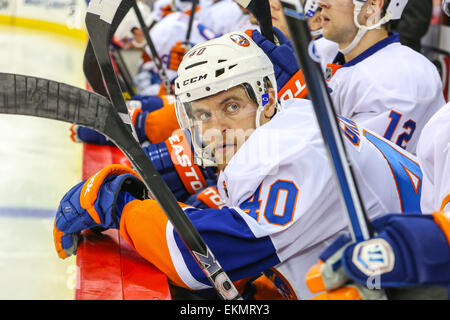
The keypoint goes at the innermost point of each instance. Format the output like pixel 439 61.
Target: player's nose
pixel 324 3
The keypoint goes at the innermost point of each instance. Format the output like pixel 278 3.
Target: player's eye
pixel 203 116
pixel 232 108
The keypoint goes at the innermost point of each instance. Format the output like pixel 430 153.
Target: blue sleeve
pixel 236 248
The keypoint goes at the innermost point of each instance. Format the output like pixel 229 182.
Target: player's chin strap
pixel 316 33
pixel 362 30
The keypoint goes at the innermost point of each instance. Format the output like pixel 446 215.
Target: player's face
pixel 225 121
pixel 315 22
pixel 337 20
pixel 278 18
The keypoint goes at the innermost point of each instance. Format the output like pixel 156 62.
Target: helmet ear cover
pixel 252 94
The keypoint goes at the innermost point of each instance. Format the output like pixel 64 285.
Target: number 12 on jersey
pixel 403 138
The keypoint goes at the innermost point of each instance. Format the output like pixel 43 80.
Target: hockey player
pixel 129 32
pixel 410 254
pixel 282 208
pixel 165 34
pixel 221 16
pixel 433 152
pixel 371 80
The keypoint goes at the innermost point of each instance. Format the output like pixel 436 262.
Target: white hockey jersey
pixel 171 29
pixel 327 50
pixel 433 152
pixel 222 17
pixel 390 89
pixel 283 205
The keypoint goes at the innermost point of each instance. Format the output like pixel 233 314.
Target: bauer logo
pixel 374 257
pixel 240 40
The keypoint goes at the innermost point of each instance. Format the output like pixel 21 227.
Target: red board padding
pixel 108 268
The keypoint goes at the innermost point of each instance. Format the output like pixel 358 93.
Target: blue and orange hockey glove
pixel 409 256
pixel 95 202
pixel 176 55
pixel 154 121
pixel 173 159
pixel 290 80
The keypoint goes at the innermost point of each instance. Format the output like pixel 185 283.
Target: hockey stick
pixel 124 72
pixel 327 120
pixel 261 10
pixel 104 11
pixel 31 96
pixel 92 71
pixel 91 68
pixel 187 41
pixel 99 21
pixel 156 59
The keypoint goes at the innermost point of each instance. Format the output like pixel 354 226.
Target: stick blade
pixel 32 96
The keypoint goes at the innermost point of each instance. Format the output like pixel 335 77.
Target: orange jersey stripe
pixel 143 225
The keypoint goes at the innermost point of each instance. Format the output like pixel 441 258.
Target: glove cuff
pixel 91 188
pixel 409 250
pixel 294 88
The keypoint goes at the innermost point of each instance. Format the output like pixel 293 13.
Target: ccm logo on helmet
pixel 194 79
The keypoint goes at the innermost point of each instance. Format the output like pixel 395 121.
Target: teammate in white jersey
pixel 433 152
pixel 282 205
pixel 222 16
pixel 377 84
pixel 409 255
pixel 165 34
pixel 372 80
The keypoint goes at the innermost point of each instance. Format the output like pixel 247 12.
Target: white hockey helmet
pixel 218 65
pixel 311 7
pixel 446 7
pixel 393 12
